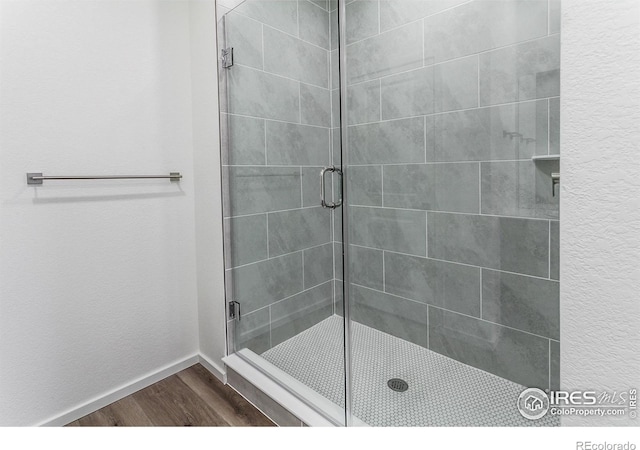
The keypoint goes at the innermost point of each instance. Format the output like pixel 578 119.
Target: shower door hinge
pixel 226 55
pixel 234 310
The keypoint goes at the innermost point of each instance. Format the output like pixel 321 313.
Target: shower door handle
pixel 323 201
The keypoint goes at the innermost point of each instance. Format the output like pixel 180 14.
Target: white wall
pixel 208 205
pixel 600 200
pixel 98 279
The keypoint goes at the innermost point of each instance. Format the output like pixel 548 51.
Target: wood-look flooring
pixel 192 397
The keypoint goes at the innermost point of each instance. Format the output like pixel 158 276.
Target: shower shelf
pixel 546 158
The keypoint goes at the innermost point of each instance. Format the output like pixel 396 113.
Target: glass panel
pixel 280 128
pixel 452 225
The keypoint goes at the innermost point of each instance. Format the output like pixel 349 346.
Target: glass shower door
pixel 450 142
pixel 280 133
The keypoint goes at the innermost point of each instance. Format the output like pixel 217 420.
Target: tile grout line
pixel 452 111
pixel 407 23
pixel 435 114
pixel 289 297
pixel 543 219
pixel 429 305
pixel 269 258
pixel 456 58
pixel 453 262
pixel 266 119
pixel 284 77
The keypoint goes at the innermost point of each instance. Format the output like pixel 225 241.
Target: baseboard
pixel 128 389
pixel 214 368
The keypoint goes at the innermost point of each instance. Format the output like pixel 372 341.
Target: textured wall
pixel 453 227
pixel 276 138
pixel 97 278
pixel 600 236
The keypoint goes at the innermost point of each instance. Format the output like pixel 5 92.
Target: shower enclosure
pixel 391 215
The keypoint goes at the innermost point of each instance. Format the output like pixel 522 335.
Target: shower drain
pixel 398 385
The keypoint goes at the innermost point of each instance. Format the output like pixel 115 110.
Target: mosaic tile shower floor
pixel 442 391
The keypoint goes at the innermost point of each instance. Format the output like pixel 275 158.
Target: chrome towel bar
pixel 38 178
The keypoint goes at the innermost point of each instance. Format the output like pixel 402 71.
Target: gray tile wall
pixel 277 134
pixel 453 227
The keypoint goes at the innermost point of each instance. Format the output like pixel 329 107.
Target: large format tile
pixel 280 14
pixel 396 141
pixel 451 286
pixel 293 144
pixel 554 249
pixel 258 94
pixel 366 266
pixel 388 229
pixel 245 37
pixel 520 357
pixel 290 231
pixel 482 25
pixel 294 315
pixel 394 13
pixel 242 140
pixel 516 131
pixel 261 189
pixel 253 331
pixel 455 84
pixel 521 72
pixel 246 238
pixel 362 20
pixel 396 51
pixel 393 315
pixel 436 187
pixel 408 94
pixel 293 58
pixel 526 303
pixel 520 188
pixel 503 243
pixel 363 102
pixel 314 24
pixel 365 185
pixel 318 265
pixel 260 284
pixel 315 105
